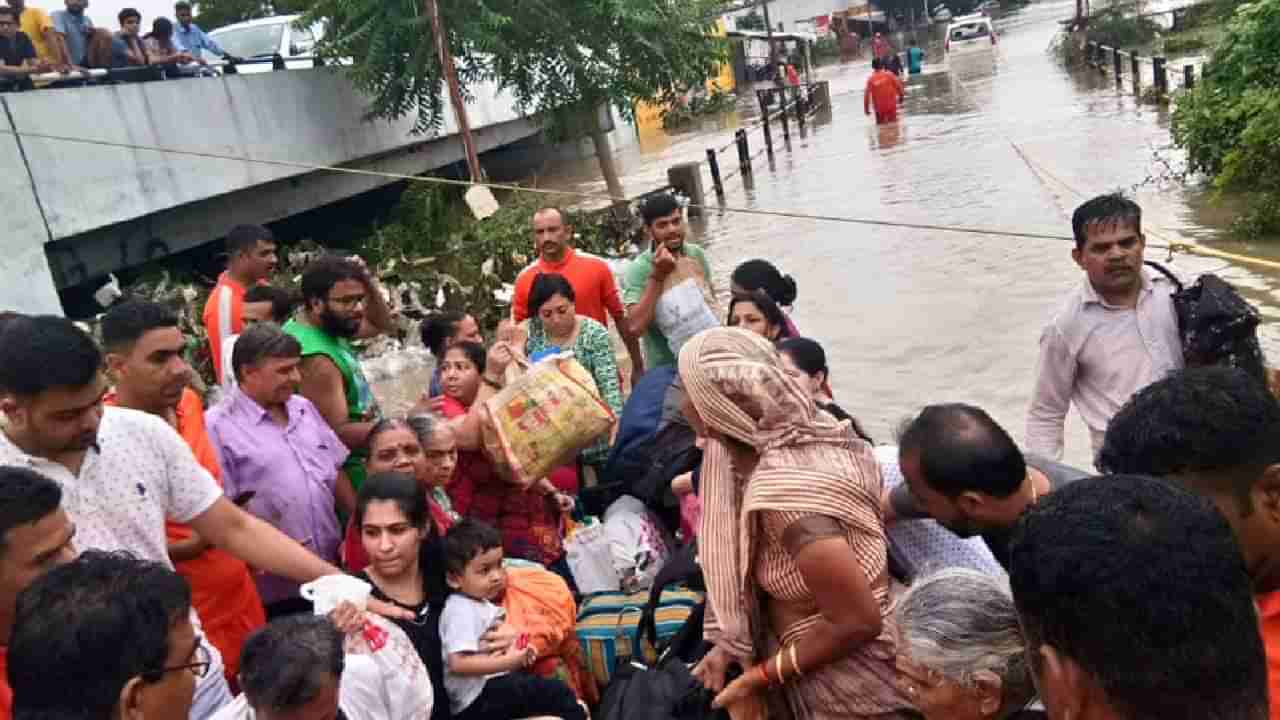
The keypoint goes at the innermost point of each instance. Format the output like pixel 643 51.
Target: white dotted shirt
pixel 141 473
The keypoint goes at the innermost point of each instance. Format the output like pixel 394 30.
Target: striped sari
pixel 806 464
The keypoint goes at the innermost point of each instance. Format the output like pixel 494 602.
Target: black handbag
pixel 667 689
pixel 1216 325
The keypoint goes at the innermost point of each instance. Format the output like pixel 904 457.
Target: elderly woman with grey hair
pixel 960 649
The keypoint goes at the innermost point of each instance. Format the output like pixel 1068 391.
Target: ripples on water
pixel 911 317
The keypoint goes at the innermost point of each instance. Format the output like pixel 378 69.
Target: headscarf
pixel 807 462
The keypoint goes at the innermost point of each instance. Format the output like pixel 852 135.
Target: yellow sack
pixel 542 419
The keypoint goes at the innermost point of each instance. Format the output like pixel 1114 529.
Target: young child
pixel 491 687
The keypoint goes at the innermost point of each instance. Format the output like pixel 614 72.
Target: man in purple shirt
pixel 279 456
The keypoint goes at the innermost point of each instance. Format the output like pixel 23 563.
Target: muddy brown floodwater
pixel 911 317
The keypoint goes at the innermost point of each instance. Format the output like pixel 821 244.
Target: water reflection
pixel 1012 141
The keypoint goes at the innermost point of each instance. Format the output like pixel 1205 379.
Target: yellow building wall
pixel 649 115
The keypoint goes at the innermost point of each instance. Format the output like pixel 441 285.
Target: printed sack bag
pixel 686 306
pixel 591 560
pixel 545 417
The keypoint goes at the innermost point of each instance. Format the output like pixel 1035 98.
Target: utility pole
pixel 768 32
pixel 455 93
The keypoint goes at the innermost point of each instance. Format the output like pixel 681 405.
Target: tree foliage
pixel 213 14
pixel 1230 121
pixel 558 59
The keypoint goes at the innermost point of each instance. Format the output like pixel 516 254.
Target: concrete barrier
pixel 100 207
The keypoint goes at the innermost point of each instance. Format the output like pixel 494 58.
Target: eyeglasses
pixel 349 301
pixel 199 668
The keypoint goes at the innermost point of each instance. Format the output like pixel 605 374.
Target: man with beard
pixel 144 353
pixel 73 28
pixel 594 287
pixel 341 302
pixel 646 277
pixel 123 472
pixel 963 470
pixel 279 454
pixel 1116 333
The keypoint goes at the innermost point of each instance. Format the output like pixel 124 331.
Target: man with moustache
pixel 1116 333
pixel 594 287
pixel 645 278
pixel 144 347
pixel 278 454
pixel 341 302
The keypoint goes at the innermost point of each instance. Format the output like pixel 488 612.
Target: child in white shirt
pixel 489 687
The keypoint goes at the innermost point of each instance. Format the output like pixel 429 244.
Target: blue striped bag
pixel 608 626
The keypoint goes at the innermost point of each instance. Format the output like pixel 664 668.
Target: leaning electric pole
pixel 455 93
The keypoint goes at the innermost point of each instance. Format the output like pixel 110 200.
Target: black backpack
pixel 1216 325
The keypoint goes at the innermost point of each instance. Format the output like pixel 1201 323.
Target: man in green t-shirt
pixel 341 302
pixel 644 279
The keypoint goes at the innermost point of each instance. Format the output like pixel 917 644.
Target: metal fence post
pixel 744 152
pixel 799 109
pixel 1115 60
pixel 714 163
pixel 1135 64
pixel 1161 78
pixel 764 114
pixel 1188 76
pixel 786 126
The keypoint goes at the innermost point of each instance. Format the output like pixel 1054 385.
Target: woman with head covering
pixel 792 540
pixel 960 651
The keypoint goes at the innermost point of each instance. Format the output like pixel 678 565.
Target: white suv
pixel 970 33
pixel 261 39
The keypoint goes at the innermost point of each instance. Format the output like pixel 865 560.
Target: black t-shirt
pixel 905 505
pixel 17 50
pixel 424 633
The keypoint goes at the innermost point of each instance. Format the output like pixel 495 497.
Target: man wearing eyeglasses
pixel 341 302
pixel 106 636
pixel 35 536
pixel 18 57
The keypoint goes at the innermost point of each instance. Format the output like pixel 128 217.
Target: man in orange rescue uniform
pixel 884 91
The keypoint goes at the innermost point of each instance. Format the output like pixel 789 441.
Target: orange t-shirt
pixel 6 692
pixel 1269 624
pixel 223 316
pixel 594 287
pixel 222 588
pixel 883 90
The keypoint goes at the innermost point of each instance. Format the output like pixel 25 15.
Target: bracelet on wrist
pixel 491 382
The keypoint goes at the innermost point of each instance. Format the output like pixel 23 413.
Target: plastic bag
pixel 387 674
pixel 544 417
pixel 683 312
pixel 591 561
pixel 638 546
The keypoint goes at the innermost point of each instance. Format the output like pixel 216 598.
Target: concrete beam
pixel 27 285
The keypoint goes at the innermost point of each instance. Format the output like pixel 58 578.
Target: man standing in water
pixel 883 92
pixel 341 302
pixel 915 59
pixel 1115 334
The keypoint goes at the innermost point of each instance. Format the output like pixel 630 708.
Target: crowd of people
pixel 36 42
pixel 153 551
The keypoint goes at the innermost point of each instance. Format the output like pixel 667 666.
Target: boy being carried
pixel 489 686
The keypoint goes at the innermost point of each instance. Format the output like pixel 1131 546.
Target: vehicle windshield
pixel 255 41
pixel 969 31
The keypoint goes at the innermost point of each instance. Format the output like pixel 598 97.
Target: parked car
pixel 970 33
pixel 263 38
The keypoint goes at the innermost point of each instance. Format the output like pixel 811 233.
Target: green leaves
pixel 558 58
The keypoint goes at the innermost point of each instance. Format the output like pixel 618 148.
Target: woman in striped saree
pixel 792 542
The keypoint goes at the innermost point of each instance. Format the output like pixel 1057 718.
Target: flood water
pixel 909 316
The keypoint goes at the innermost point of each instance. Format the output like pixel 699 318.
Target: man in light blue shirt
pixel 188 36
pixel 73 28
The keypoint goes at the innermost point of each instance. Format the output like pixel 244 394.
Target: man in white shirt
pixel 1115 334
pixel 122 472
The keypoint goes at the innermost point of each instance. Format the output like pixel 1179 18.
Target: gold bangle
pixel 795 666
pixel 777 666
